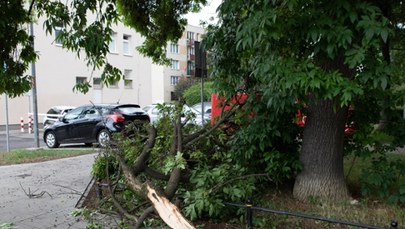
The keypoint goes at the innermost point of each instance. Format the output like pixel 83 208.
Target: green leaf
pixel 384 35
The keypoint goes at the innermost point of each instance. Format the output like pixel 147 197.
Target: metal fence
pixel 250 208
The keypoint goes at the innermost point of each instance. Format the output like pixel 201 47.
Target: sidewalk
pixel 58 186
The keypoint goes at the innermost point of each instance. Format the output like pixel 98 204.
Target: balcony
pixel 191 57
pixel 190 72
pixel 190 42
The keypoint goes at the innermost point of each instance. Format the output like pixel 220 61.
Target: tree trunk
pixel 322 153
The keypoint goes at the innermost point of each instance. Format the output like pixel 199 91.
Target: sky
pixel 208 11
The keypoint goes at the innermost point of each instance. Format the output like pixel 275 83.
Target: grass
pixel 37 155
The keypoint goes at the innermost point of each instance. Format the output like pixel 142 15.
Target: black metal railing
pixel 250 208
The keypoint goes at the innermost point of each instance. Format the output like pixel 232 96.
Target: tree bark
pixel 322 152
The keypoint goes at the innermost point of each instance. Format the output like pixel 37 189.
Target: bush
pixel 193 94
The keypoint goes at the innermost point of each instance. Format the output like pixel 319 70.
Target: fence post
pixel 99 192
pixel 30 124
pixel 22 124
pixel 249 214
pixel 394 224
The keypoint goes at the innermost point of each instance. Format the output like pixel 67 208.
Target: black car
pixel 92 124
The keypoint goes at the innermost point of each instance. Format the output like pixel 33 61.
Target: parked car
pixel 207 108
pixel 54 113
pixel 92 124
pixel 154 114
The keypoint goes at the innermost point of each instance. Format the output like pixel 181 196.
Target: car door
pixel 65 131
pixel 84 127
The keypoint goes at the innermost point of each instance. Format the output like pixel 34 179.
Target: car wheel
pixel 50 140
pixel 103 137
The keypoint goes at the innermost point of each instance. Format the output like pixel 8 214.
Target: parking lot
pixel 23 140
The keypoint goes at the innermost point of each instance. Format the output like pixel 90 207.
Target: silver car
pixel 54 113
pixel 207 108
pixel 154 114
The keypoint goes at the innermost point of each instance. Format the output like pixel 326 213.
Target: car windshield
pixel 130 110
pixel 195 111
pixel 147 108
pixel 53 111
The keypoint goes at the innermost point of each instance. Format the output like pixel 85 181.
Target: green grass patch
pixel 37 155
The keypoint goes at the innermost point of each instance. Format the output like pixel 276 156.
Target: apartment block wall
pixel 57 70
pixel 185 44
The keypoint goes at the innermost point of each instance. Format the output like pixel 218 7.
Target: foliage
pixel 16 48
pixel 100 165
pixel 158 22
pixel 307 51
pixel 214 173
pixel 183 84
pixel 81 35
pixel 384 178
pixel 86 29
pixel 7 226
pixel 273 149
pixel 396 127
pixel 96 220
pixel 213 185
pixel 87 215
pixel 193 94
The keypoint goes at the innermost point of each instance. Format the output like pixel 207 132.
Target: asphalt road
pixel 23 140
pixel 18 140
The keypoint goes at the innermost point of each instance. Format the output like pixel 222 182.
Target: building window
pixel 190 68
pixel 174 80
pixel 173 96
pixel 97 83
pixel 126 44
pixel 190 35
pixel 175 65
pixel 190 50
pixel 174 48
pixel 128 84
pixel 58 33
pixel 80 79
pixel 128 79
pixel 112 47
pixel 114 84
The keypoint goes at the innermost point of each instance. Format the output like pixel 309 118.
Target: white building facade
pixel 58 70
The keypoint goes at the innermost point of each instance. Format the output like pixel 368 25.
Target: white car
pixel 153 112
pixel 207 108
pixel 54 113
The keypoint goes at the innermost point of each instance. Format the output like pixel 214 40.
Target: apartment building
pixel 58 70
pixel 182 55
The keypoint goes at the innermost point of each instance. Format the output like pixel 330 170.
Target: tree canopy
pixel 326 55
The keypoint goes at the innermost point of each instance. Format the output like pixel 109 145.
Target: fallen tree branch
pixel 32 195
pixel 190 139
pixel 167 211
pixel 145 214
pixel 114 200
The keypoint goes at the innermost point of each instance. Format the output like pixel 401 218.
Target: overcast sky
pixel 205 14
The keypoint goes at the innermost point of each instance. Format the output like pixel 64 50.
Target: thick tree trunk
pixel 322 153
